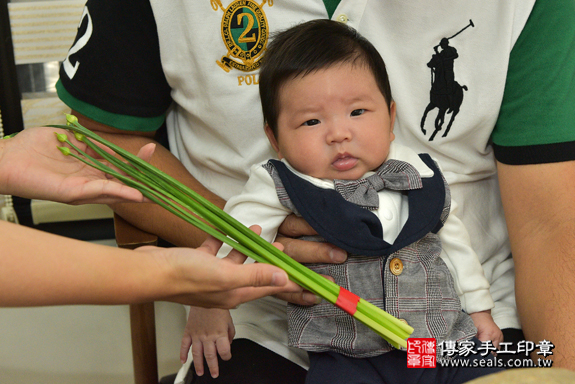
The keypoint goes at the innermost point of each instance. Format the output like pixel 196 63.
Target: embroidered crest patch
pixel 245 33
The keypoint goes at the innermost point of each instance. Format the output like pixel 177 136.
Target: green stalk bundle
pixel 190 206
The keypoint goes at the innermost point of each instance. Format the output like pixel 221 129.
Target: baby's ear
pixel 391 120
pixel 392 111
pixel 272 138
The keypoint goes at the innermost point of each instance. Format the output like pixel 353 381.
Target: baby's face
pixel 334 123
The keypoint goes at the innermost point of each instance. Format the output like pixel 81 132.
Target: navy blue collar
pixel 356 230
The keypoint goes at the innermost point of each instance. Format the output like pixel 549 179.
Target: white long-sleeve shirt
pixel 258 204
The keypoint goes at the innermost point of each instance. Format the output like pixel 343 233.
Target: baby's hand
pixel 209 332
pixel 486 327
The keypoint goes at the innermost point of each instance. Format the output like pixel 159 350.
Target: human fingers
pixel 91 151
pixel 103 192
pixel 185 347
pixel 238 257
pixel 306 251
pixel 211 356
pixel 211 245
pixel 145 153
pixel 490 332
pixel 243 283
pixel 198 357
pixel 231 331
pixel 206 326
pixel 259 275
pixel 497 338
pixel 294 226
pixel 312 251
pixel 206 281
pixel 302 297
pixel 224 349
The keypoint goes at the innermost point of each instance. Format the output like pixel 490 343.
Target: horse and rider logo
pixel 446 94
pixel 245 33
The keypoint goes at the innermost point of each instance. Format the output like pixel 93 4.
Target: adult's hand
pixel 206 281
pixel 31 166
pixel 305 252
pixel 38 269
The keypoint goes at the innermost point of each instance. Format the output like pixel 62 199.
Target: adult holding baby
pixel 510 146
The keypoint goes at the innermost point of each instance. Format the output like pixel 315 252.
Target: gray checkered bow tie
pixel 393 174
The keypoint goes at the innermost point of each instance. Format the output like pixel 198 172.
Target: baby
pixel 329 116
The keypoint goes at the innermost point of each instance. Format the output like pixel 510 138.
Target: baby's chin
pixel 351 174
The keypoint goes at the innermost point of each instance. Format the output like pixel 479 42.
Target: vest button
pixel 396 266
pixel 342 18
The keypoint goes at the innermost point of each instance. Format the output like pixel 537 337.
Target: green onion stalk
pixel 185 203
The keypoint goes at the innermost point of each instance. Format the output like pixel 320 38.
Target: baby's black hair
pixel 309 47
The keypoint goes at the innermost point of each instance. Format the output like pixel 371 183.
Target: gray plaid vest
pixel 422 293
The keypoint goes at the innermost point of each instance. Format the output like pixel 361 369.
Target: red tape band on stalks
pixel 347 301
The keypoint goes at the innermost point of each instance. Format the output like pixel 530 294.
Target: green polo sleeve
pixel 536 123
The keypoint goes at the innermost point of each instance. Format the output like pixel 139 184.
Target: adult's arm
pixel 539 204
pixel 38 269
pixel 534 143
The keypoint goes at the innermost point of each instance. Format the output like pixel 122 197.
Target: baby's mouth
pixel 344 162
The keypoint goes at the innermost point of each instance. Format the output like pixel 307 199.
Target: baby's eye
pixel 311 122
pixel 357 112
